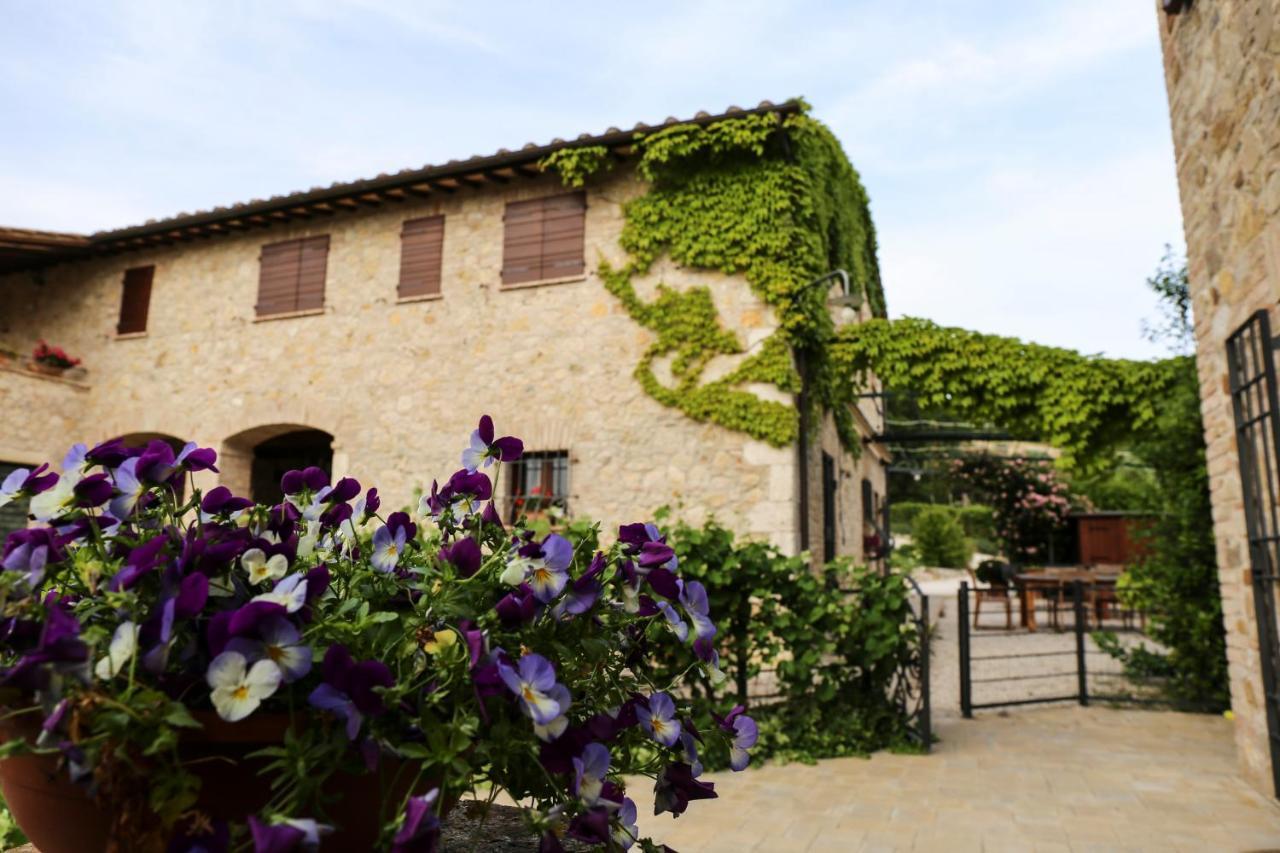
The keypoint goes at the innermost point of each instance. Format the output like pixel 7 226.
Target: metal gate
pixel 1252 372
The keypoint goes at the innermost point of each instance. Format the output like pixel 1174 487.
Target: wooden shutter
pixel 543 238
pixel 135 300
pixel 421 254
pixel 291 276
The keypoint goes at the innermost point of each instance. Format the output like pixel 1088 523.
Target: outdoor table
pixel 1029 584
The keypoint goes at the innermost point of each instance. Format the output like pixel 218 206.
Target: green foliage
pixel 1086 405
pixel 10 835
pixel 1030 504
pixel 836 640
pixel 772 199
pixel 1176 581
pixel 940 539
pixel 978 520
pixel 575 165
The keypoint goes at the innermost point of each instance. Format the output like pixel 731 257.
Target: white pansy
pixel 307 541
pixel 262 569
pixel 290 593
pixel 238 689
pixel 57 500
pixel 124 644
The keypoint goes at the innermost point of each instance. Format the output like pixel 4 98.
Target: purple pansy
pixel 286 836
pixel 93 491
pixel 219 500
pixel 693 598
pixel 420 832
pixel 23 481
pixel 743 733
pixel 543 565
pixel 583 592
pixel 589 771
pixel 485 448
pixel 141 560
pixel 534 682
pixel 348 688
pixel 465 556
pixel 29 550
pixel 388 545
pixel 676 788
pixel 290 593
pixel 280 641
pixel 658 717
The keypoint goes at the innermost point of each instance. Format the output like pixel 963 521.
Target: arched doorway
pixel 252 462
pixel 293 450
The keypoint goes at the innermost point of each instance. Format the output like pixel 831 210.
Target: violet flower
pixel 627 832
pixel 388 545
pixel 485 448
pixel 544 566
pixel 465 556
pixel 589 771
pixel 287 835
pixel 659 719
pixel 533 682
pixel 420 832
pixel 23 481
pixel 693 598
pixel 676 788
pixel 744 733
pixel 29 551
pixel 583 592
pixel 279 641
pixel 348 688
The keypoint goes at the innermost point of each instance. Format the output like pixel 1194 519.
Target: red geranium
pixel 53 356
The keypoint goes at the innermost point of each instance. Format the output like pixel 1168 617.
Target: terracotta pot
pixel 61 817
pixel 46 369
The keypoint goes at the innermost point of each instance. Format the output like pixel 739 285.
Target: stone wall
pixel 1222 70
pixel 399 385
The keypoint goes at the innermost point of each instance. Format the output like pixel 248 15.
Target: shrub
pixel 834 638
pixel 489 657
pixel 940 539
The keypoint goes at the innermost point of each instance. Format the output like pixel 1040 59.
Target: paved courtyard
pixel 1053 779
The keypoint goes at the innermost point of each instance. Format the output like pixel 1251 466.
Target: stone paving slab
pixel 1055 779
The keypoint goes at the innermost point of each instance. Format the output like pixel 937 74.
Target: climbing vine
pixel 773 199
pixel 767 197
pixel 1084 405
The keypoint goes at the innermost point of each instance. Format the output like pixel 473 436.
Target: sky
pixel 1017 153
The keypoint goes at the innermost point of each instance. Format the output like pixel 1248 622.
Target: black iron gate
pixel 1251 367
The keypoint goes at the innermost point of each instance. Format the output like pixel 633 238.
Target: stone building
pixel 1222 70
pixel 365 326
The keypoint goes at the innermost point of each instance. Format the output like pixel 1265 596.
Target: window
pixel 543 239
pixel 13 515
pixel 421 251
pixel 292 276
pixel 828 508
pixel 135 300
pixel 868 502
pixel 540 484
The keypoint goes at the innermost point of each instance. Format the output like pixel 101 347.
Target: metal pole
pixel 926 723
pixel 962 614
pixel 1082 676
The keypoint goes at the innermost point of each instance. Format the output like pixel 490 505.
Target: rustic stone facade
pixel 399 384
pixel 1222 69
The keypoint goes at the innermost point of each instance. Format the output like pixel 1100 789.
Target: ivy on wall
pixel 769 198
pixel 774 200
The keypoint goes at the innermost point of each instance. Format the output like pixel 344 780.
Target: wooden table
pixel 1041 581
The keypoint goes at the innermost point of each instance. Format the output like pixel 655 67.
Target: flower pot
pixel 46 369
pixel 62 817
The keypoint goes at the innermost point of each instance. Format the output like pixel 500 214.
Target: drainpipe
pixel 802 446
pixel 802 401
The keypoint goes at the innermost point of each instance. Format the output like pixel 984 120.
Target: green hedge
pixel 977 520
pixel 939 538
